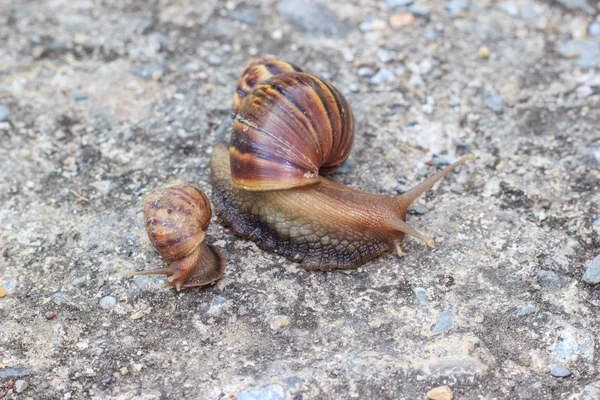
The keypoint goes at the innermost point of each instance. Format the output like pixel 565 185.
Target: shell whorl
pixel 258 71
pixel 176 219
pixel 290 129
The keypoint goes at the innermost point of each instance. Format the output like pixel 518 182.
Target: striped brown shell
pixel 289 130
pixel 176 220
pixel 258 71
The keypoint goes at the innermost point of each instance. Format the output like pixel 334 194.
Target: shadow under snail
pixel 290 129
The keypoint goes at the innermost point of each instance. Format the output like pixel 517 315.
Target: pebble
pixel 427 109
pixel 494 103
pixel 584 91
pixel 484 52
pixel 401 20
pixel 144 27
pixel 242 311
pixel 217 304
pixel 4 113
pixel 594 29
pixel 421 295
pixel 365 72
pixel 526 310
pixel 417 210
pixel 398 3
pixel 50 315
pixel 440 161
pixel 560 371
pixel 508 8
pixel 385 56
pixel 150 71
pixel 271 392
pixel 584 52
pixel 596 226
pixel 277 34
pixel 102 186
pixel 78 95
pixel 245 18
pixel 354 87
pixel 13 372
pixel 425 67
pixel 420 10
pixel 214 59
pixel 279 322
pixel 25 153
pixel 2 291
pixel 592 274
pixel 440 393
pixel 107 302
pixel 577 5
pixel 123 371
pixel 311 17
pixel 457 7
pixel 383 75
pixel 136 315
pixel 431 35
pixel 21 385
pixel 444 321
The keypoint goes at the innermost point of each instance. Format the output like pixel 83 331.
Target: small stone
pixel 277 34
pixel 584 91
pixel 584 52
pixel 596 226
pixel 20 386
pixel 560 371
pixel 214 59
pixel 385 56
pixel 444 322
pixel 123 371
pixel 592 274
pixel 279 322
pixel 440 393
pixel 401 20
pixel 78 95
pixel 144 27
pixel 227 48
pixel 2 291
pixel 427 109
pixel 457 7
pixel 417 210
pixel 440 161
pixel 398 3
pixel 577 5
pixel 13 372
pixel 425 67
pixel 218 303
pixel 494 103
pixel 25 153
pixel 102 186
pixel 508 8
pixel 136 315
pixel 354 87
pixel 484 52
pixel 245 18
pixel 4 113
pixel 81 38
pixel 50 315
pixel 384 75
pixel 150 71
pixel 528 309
pixel 311 17
pixel 431 35
pixel 420 10
pixel 366 72
pixel 421 295
pixel 242 311
pixel 594 29
pixel 107 302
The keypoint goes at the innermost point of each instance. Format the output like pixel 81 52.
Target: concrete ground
pixel 103 101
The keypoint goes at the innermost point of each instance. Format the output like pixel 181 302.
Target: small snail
pixel 290 129
pixel 176 219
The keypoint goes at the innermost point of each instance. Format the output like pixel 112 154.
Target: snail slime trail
pixel 290 130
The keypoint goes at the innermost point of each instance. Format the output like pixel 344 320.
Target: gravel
pixel 107 302
pixel 560 371
pixel 592 273
pixel 4 113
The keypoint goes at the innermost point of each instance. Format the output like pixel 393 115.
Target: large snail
pixel 290 129
pixel 176 219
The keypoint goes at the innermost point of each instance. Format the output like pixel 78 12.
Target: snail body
pixel 176 219
pixel 289 131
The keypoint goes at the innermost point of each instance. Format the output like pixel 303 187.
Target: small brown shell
pixel 258 71
pixel 176 220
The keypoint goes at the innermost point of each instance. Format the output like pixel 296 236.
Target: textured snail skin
pixel 176 220
pixel 324 226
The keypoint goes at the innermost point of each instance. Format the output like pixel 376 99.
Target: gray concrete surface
pixel 100 102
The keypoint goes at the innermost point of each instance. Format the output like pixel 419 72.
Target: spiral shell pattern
pixel 176 220
pixel 289 130
pixel 258 71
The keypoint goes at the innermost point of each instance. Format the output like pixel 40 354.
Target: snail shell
pixel 176 220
